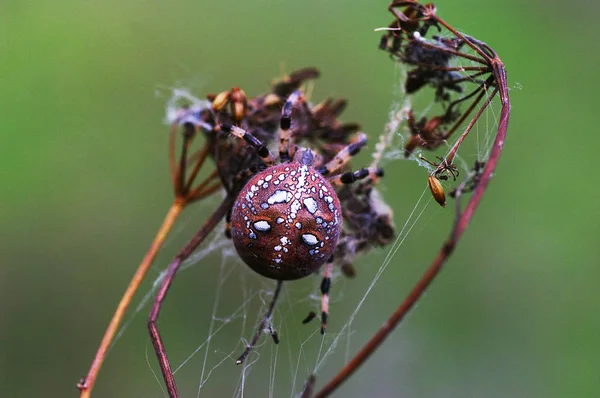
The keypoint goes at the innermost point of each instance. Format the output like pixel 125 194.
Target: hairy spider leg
pixel 311 315
pixel 344 155
pixel 325 286
pixel 161 294
pixel 353 176
pixel 259 147
pixel 266 319
pixel 339 160
pixel 285 124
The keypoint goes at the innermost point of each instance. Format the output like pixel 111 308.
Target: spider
pixel 286 219
pixel 444 169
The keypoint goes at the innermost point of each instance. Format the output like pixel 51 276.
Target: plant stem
pixel 86 385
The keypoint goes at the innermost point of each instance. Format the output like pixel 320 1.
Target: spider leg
pixel 259 147
pixel 353 176
pixel 285 133
pixel 325 286
pixel 311 315
pixel 344 155
pixel 274 334
pixel 348 270
pixel 262 325
pixel 455 173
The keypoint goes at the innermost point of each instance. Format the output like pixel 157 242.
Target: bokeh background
pixel 85 185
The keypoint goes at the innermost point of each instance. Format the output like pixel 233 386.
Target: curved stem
pixel 161 294
pixel 461 222
pixel 87 383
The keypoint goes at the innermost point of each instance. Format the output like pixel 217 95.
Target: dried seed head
pixel 431 126
pixel 271 99
pixel 238 110
pixel 220 100
pixel 437 190
pixel 413 142
pixel 238 100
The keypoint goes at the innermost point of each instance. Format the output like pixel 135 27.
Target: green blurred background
pixel 85 185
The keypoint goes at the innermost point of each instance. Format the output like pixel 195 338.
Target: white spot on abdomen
pixel 311 205
pixel 279 197
pixel 262 226
pixel 310 239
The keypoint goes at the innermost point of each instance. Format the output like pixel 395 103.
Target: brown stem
pixel 172 165
pixel 455 68
pixel 453 52
pixel 470 78
pixel 214 175
pixel 161 294
pixel 465 39
pixel 188 134
pixel 454 149
pixel 201 193
pixel 467 112
pixel 199 157
pixel 87 383
pixel 461 223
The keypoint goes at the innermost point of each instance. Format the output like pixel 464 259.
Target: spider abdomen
pixel 286 221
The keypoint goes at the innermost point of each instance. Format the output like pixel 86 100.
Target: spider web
pixel 238 298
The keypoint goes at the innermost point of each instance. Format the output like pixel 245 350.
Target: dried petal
pixel 413 142
pixel 238 99
pixel 271 99
pixel 437 190
pixel 238 110
pixel 220 100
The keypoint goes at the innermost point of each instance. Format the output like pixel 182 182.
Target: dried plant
pixel 406 41
pixel 257 122
pixel 236 132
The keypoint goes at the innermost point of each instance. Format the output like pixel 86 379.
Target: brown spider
pixel 283 213
pixel 259 120
pixel 286 221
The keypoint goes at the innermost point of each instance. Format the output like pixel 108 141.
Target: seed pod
pixel 271 99
pixel 238 110
pixel 220 100
pixel 413 142
pixel 238 100
pixel 437 190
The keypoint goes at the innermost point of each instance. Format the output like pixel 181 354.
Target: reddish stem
pixel 461 223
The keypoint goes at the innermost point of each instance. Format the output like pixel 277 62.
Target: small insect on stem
pixel 444 169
